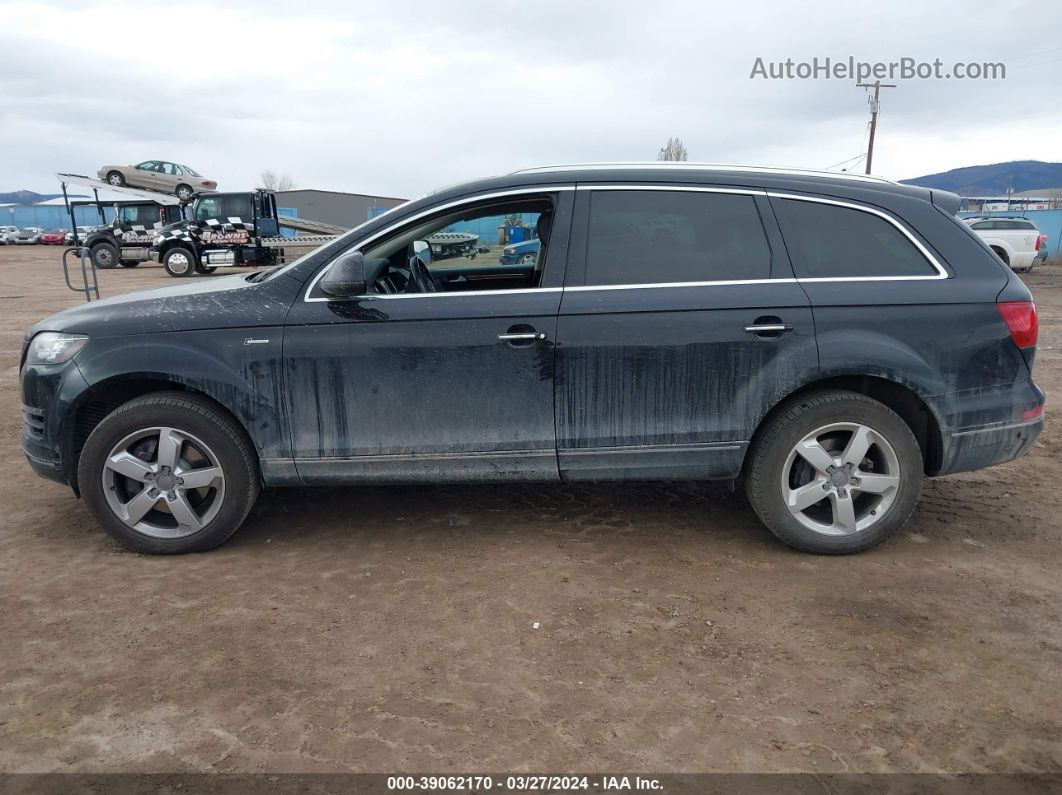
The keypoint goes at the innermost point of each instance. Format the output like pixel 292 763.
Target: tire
pixel 179 262
pixel 207 442
pixel 104 256
pixel 775 470
pixel 205 269
pixel 527 259
pixel 130 263
pixel 116 178
pixel 184 192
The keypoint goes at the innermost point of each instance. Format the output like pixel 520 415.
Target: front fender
pixel 244 377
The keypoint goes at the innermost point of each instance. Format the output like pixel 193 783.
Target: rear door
pixel 681 326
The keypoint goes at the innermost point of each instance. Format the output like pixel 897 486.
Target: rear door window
pixel 830 241
pixel 669 236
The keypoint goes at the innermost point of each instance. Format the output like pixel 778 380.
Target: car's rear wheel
pixel 115 178
pixel 179 262
pixel 184 192
pixel 834 473
pixel 168 473
pixel 104 256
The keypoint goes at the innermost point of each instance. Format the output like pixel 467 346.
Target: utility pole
pixel 877 85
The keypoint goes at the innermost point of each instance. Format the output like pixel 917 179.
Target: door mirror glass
pixel 346 277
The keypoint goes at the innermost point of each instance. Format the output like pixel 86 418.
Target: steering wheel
pixel 420 277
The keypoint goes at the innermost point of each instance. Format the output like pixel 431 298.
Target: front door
pixel 680 327
pixel 444 375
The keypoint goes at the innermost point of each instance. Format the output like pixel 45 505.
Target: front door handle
pixel 768 328
pixel 524 336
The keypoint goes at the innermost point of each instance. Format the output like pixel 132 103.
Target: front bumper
pixel 49 396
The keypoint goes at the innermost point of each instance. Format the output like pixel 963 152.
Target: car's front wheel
pixel 834 473
pixel 168 473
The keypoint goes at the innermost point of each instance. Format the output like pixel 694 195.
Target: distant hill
pixel 993 180
pixel 27 197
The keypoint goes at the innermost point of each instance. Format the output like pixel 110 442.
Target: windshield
pixel 191 171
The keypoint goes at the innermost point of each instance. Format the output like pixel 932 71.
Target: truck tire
pixel 834 472
pixel 104 256
pixel 179 262
pixel 205 269
pixel 116 178
pixel 184 192
pixel 168 473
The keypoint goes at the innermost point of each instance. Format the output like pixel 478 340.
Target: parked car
pixel 524 253
pixel 27 236
pixel 7 232
pixel 1042 251
pixel 1016 240
pixel 182 181
pixel 829 340
pixel 54 237
pixel 82 234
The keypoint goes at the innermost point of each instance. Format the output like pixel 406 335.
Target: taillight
pixel 1020 317
pixel 1041 241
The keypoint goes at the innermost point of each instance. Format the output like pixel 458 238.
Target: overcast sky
pixel 397 98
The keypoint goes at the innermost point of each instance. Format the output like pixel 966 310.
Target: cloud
pixel 399 97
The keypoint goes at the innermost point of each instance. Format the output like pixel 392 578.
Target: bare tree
pixel 270 180
pixel 674 149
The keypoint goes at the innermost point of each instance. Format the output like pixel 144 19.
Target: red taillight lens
pixel 1040 241
pixel 1033 413
pixel 1020 317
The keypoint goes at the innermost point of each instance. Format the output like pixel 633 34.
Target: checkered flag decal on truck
pixel 213 230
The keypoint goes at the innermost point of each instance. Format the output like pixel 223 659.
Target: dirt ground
pixel 392 629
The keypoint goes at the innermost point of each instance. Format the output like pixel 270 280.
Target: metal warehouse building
pixel 333 207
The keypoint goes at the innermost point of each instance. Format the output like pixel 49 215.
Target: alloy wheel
pixel 163 482
pixel 841 478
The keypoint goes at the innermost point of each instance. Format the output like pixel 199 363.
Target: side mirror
pixel 346 276
pixel 422 251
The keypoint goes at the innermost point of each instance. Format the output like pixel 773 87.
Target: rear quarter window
pixel 830 241
pixel 666 236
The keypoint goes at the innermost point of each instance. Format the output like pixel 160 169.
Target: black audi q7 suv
pixel 827 339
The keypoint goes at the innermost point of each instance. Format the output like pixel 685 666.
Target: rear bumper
pixel 968 449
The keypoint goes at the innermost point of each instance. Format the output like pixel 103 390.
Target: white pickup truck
pixel 1017 241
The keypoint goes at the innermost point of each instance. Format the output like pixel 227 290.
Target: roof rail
pixel 703 167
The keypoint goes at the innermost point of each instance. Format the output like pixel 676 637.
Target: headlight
pixel 509 250
pixel 51 347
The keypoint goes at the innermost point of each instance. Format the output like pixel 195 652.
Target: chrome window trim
pixel 424 214
pixel 941 273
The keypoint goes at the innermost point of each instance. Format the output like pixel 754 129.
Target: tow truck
pixel 126 240
pixel 235 229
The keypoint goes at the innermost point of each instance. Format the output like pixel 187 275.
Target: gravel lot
pixel 386 629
